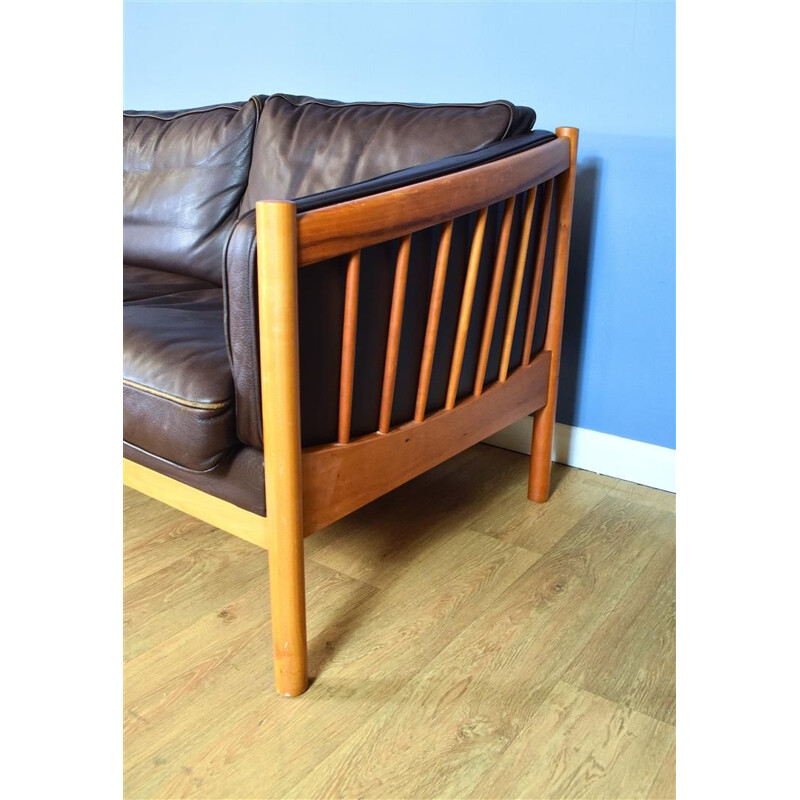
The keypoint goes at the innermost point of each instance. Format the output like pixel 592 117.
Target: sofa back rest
pixel 184 175
pixel 304 146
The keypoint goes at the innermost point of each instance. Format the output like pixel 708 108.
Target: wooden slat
pixel 516 288
pixel 434 314
pixel 395 326
pixel 345 227
pixel 466 307
pixel 494 294
pixel 348 347
pixel 541 250
pixel 338 480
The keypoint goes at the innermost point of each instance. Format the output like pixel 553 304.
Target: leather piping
pixel 153 115
pixel 181 401
pixel 175 463
pixel 330 104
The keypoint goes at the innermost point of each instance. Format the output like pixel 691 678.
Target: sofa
pixel 322 300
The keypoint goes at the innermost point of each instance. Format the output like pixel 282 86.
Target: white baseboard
pixel 627 459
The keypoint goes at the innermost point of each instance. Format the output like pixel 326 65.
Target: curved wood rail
pixel 338 479
pixel 345 227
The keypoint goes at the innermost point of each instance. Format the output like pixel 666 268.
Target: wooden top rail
pixel 345 227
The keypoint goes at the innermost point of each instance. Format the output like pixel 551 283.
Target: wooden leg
pixel 276 232
pixel 287 599
pixel 545 418
pixel 541 454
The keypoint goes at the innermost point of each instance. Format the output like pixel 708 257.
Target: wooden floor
pixel 464 643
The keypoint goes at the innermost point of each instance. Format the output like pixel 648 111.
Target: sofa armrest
pixel 240 270
pixel 241 327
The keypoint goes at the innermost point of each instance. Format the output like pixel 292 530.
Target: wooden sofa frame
pixel 309 488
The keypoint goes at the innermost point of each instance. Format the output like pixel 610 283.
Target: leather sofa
pixel 322 300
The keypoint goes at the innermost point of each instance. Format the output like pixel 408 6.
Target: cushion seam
pixel 420 106
pixel 199 404
pixel 153 115
pixel 219 459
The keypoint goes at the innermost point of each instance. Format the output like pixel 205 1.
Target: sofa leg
pixel 541 454
pixel 287 600
pixel 276 243
pixel 544 419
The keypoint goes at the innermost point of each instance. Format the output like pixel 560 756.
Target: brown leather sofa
pixel 323 300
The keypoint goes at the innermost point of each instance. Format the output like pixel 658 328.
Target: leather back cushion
pixel 184 176
pixel 304 146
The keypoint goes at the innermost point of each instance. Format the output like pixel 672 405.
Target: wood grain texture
pixel 631 658
pixel 465 312
pixel 538 272
pixel 444 730
pixel 345 227
pixel 393 338
pixel 580 745
pixel 279 361
pixel 339 479
pixel 539 527
pixel 434 646
pixel 494 294
pixel 219 513
pixel 463 486
pixel 213 664
pixel 544 419
pixel 432 325
pixel 664 786
pixel 348 347
pixel 162 536
pixel 516 286
pixel 215 567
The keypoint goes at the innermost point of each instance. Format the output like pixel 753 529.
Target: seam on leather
pixel 254 345
pixel 417 106
pixel 188 112
pixel 149 453
pixel 249 263
pixel 256 100
pixel 182 401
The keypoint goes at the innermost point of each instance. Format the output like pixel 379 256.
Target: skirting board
pixel 627 459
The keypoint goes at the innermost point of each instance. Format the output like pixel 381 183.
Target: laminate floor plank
pixel 631 658
pixel 445 728
pixel 539 526
pixel 400 524
pixel 185 689
pixel 164 536
pixel 172 598
pixel 440 642
pixel 664 787
pixel 580 745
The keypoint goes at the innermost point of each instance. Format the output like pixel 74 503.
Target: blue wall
pixel 605 67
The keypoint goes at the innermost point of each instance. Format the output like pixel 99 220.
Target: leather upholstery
pixel 184 173
pixel 191 381
pixel 321 299
pixel 238 478
pixel 305 145
pixel 140 283
pixel 177 386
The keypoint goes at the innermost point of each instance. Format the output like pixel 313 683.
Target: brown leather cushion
pixel 304 145
pixel 177 386
pixel 139 283
pixel 184 173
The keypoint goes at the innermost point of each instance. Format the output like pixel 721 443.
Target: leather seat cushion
pixel 178 399
pixel 184 173
pixel 304 145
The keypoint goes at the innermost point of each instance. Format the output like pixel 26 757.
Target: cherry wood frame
pixel 307 489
